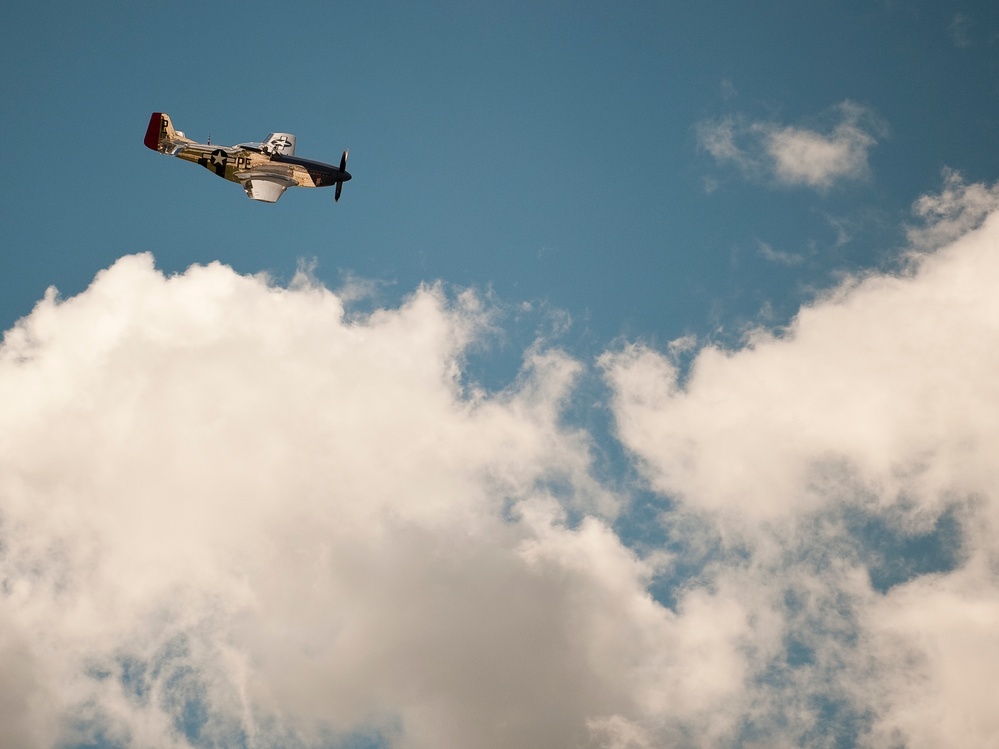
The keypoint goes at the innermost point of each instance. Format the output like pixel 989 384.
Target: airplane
pixel 265 169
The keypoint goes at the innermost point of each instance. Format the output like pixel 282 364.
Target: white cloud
pixel 228 511
pixel 945 629
pixel 955 211
pixel 806 157
pixel 827 460
pixel 796 155
pixel 876 374
pixel 232 514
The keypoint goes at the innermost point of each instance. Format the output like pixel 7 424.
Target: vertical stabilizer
pixel 161 136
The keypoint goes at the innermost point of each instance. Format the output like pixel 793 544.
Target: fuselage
pixel 235 162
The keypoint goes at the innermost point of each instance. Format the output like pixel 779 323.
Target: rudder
pixel 160 134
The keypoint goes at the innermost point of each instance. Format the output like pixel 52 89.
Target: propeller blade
pixel 339 184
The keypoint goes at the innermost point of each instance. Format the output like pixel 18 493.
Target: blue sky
pixel 635 318
pixel 547 151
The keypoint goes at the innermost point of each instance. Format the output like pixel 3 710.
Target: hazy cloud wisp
pixel 795 156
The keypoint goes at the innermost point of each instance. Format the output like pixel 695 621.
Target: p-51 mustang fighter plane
pixel 264 169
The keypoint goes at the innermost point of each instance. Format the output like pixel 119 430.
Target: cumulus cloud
pixel 796 156
pixel 235 514
pixel 232 515
pixel 848 469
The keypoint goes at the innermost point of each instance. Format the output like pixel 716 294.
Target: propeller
pixel 339 182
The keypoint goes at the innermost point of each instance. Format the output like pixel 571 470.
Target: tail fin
pixel 160 135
